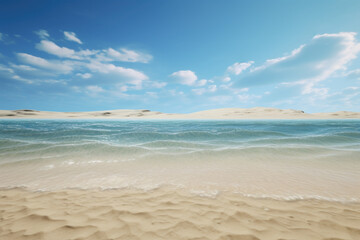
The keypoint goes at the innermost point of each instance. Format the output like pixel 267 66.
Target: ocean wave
pixel 115 154
pixel 101 152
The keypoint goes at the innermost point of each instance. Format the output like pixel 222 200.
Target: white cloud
pixel 185 77
pixel 201 91
pixel 226 86
pixel 232 89
pixel 52 48
pixel 349 96
pixel 237 68
pixel 126 55
pixel 202 82
pixel 10 73
pixel 175 93
pixel 71 36
pixel 129 75
pixel 60 67
pixel 79 63
pixel 343 99
pixel 212 88
pixel 22 67
pixel 226 79
pixel 124 88
pixel 221 99
pixel 279 59
pixel 155 84
pixel 105 71
pixel 107 55
pixel 95 89
pixel 17 77
pixel 86 53
pixel 245 98
pixel 4 68
pixel 53 81
pixel 306 65
pixel 43 34
pixel 152 94
pixel 349 50
pixel 310 89
pixel 64 52
pixel 36 73
pixel 27 74
pixel 353 74
pixel 84 75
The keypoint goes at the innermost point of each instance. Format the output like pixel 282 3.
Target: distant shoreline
pixel 215 114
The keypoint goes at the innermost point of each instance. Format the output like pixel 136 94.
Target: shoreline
pixel 281 179
pixel 196 193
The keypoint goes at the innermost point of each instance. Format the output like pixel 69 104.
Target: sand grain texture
pixel 170 214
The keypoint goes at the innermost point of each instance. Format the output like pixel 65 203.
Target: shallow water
pixel 287 159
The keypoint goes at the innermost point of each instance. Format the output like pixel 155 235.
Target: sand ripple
pixel 169 214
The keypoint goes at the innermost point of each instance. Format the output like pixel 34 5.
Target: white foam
pixel 204 193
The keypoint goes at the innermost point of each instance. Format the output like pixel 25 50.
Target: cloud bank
pixel 87 69
pixel 306 65
pixel 318 72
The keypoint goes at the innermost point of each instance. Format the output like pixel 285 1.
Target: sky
pixel 180 56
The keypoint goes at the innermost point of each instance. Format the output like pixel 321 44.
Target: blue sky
pixel 180 56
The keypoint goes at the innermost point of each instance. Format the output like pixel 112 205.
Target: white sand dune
pixel 169 214
pixel 224 113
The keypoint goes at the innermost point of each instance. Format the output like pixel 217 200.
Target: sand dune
pixel 224 113
pixel 169 214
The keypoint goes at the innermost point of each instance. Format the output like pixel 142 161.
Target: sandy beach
pixel 170 214
pixel 180 120
pixel 145 180
pixel 224 113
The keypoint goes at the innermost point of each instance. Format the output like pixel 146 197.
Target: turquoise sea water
pixel 263 158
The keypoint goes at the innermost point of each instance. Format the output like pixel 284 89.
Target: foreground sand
pixel 224 113
pixel 170 214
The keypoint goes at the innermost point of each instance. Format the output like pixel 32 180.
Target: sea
pixel 279 159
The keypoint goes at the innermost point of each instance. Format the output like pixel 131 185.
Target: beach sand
pixel 173 213
pixel 170 214
pixel 224 113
